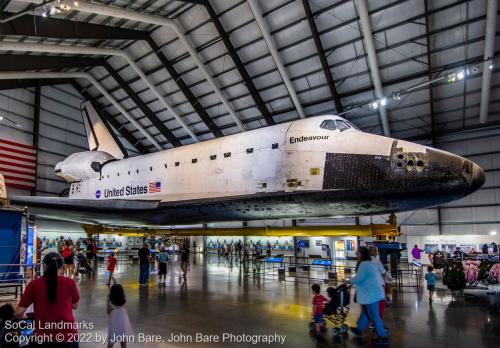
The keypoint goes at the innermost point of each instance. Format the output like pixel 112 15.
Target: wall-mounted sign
pixel 30 247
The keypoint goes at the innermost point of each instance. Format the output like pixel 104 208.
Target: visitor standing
pixel 484 248
pixel 69 259
pixel 185 259
pixel 90 254
pixel 144 258
pixel 246 252
pixel 54 297
pixel 369 293
pixel 328 252
pixel 111 268
pixel 162 266
pixel 494 246
pixel 120 330
pixel 416 253
pixel 239 248
pixel 60 245
pixel 229 251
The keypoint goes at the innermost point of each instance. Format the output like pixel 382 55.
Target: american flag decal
pixel 154 187
pixel 18 164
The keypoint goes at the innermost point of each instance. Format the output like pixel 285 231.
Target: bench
pixel 18 288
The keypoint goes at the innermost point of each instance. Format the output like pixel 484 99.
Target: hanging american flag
pixel 18 164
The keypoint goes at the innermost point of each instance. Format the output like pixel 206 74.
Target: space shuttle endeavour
pixel 316 167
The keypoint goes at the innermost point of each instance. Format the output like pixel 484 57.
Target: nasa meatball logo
pixel 98 194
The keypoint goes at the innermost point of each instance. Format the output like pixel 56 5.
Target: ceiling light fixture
pixel 493 233
pixel 56 7
pixel 374 105
pixel 460 75
pixel 383 101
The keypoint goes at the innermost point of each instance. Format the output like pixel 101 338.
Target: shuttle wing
pixel 86 211
pixel 87 204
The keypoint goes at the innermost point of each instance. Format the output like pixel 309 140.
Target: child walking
pixel 120 330
pixel 430 277
pixel 318 302
pixel 111 268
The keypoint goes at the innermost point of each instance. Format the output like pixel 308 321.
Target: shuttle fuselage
pixel 317 167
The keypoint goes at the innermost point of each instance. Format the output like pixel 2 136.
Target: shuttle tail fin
pixel 99 133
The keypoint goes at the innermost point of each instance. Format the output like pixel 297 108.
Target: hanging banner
pixel 30 246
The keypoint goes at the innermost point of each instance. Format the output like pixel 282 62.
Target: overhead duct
pixel 21 75
pixel 259 18
pixel 34 47
pixel 366 28
pixel 106 10
pixel 489 47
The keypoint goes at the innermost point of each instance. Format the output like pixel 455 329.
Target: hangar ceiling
pixel 319 44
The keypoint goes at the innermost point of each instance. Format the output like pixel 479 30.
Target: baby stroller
pixel 83 266
pixel 336 310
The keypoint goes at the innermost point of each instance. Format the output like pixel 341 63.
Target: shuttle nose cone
pixel 457 175
pixel 477 178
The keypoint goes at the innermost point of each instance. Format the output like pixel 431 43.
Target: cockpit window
pixel 342 125
pixel 352 125
pixel 328 124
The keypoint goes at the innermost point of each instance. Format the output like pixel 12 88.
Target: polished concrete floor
pixel 216 299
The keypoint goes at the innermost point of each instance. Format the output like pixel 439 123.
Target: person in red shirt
pixel 54 298
pixel 318 302
pixel 111 268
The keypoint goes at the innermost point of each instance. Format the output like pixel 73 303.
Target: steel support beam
pixel 295 231
pixel 431 94
pixel 489 47
pixel 143 107
pixel 247 80
pixel 366 29
pixel 198 2
pixel 200 110
pixel 109 119
pixel 60 28
pixel 4 4
pixel 13 84
pixel 29 25
pixel 36 129
pixel 29 62
pixel 273 49
pixel 322 57
pixel 24 62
